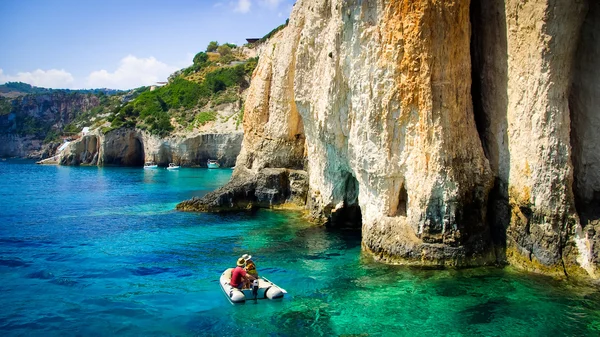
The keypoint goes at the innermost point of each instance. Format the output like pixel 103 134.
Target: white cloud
pixel 270 3
pixel 218 4
pixel 243 6
pixel 132 72
pixel 52 78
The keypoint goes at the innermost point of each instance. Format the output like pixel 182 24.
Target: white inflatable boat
pixel 263 289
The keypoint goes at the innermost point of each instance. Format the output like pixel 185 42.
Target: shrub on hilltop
pixel 224 50
pixel 201 58
pixel 212 46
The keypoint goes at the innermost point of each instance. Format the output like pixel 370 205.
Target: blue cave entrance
pixel 349 216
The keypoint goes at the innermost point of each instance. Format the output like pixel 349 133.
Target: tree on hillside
pixel 224 50
pixel 200 58
pixel 212 46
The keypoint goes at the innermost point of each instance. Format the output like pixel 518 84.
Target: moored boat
pixel 213 163
pixel 150 165
pixel 172 166
pixel 263 289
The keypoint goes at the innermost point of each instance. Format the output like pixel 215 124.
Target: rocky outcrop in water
pixel 462 132
pixel 132 147
pixel 270 187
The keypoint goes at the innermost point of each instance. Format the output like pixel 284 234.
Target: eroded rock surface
pixel 132 147
pixel 246 191
pixel 584 103
pixel 461 130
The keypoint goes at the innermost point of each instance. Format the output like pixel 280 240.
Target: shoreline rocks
pixel 132 147
pixel 246 191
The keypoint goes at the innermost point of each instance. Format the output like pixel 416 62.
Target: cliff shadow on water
pixel 489 72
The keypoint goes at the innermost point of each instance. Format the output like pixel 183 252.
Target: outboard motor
pixel 255 288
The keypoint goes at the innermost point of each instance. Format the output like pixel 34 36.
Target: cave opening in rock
pixel 349 216
pixel 402 200
pixel 90 155
pixel 137 157
pixel 481 121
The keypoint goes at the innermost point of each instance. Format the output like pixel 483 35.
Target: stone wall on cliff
pixel 84 151
pixel 194 150
pixel 462 131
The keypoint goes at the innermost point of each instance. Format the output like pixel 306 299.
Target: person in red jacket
pixel 239 277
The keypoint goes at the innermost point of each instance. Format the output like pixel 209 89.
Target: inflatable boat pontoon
pixel 263 289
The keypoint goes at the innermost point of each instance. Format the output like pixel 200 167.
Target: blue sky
pixel 121 43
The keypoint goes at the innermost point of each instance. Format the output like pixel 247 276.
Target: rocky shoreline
pixel 246 191
pixel 133 147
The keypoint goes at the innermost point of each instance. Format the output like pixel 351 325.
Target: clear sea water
pixel 89 251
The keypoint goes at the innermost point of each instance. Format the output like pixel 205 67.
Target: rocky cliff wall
pixel 585 118
pixel 459 131
pixel 525 56
pixel 383 90
pixel 12 145
pixel 269 169
pixel 23 130
pixel 131 147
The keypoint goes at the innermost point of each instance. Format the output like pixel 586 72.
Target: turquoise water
pixel 101 252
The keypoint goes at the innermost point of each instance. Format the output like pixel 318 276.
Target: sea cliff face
pixel 23 129
pixel 534 96
pixel 459 132
pixel 133 147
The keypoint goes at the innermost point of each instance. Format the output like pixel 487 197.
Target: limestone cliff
pixel 525 70
pixel 584 103
pixel 273 138
pixel 14 145
pixel 132 147
pixel 453 129
pixel 32 117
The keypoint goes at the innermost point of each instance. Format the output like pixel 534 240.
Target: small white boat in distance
pixel 150 165
pixel 213 164
pixel 172 166
pixel 263 289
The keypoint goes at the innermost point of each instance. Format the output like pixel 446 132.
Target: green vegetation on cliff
pixel 273 32
pixel 54 113
pixel 193 97
pixel 5 106
pixel 188 95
